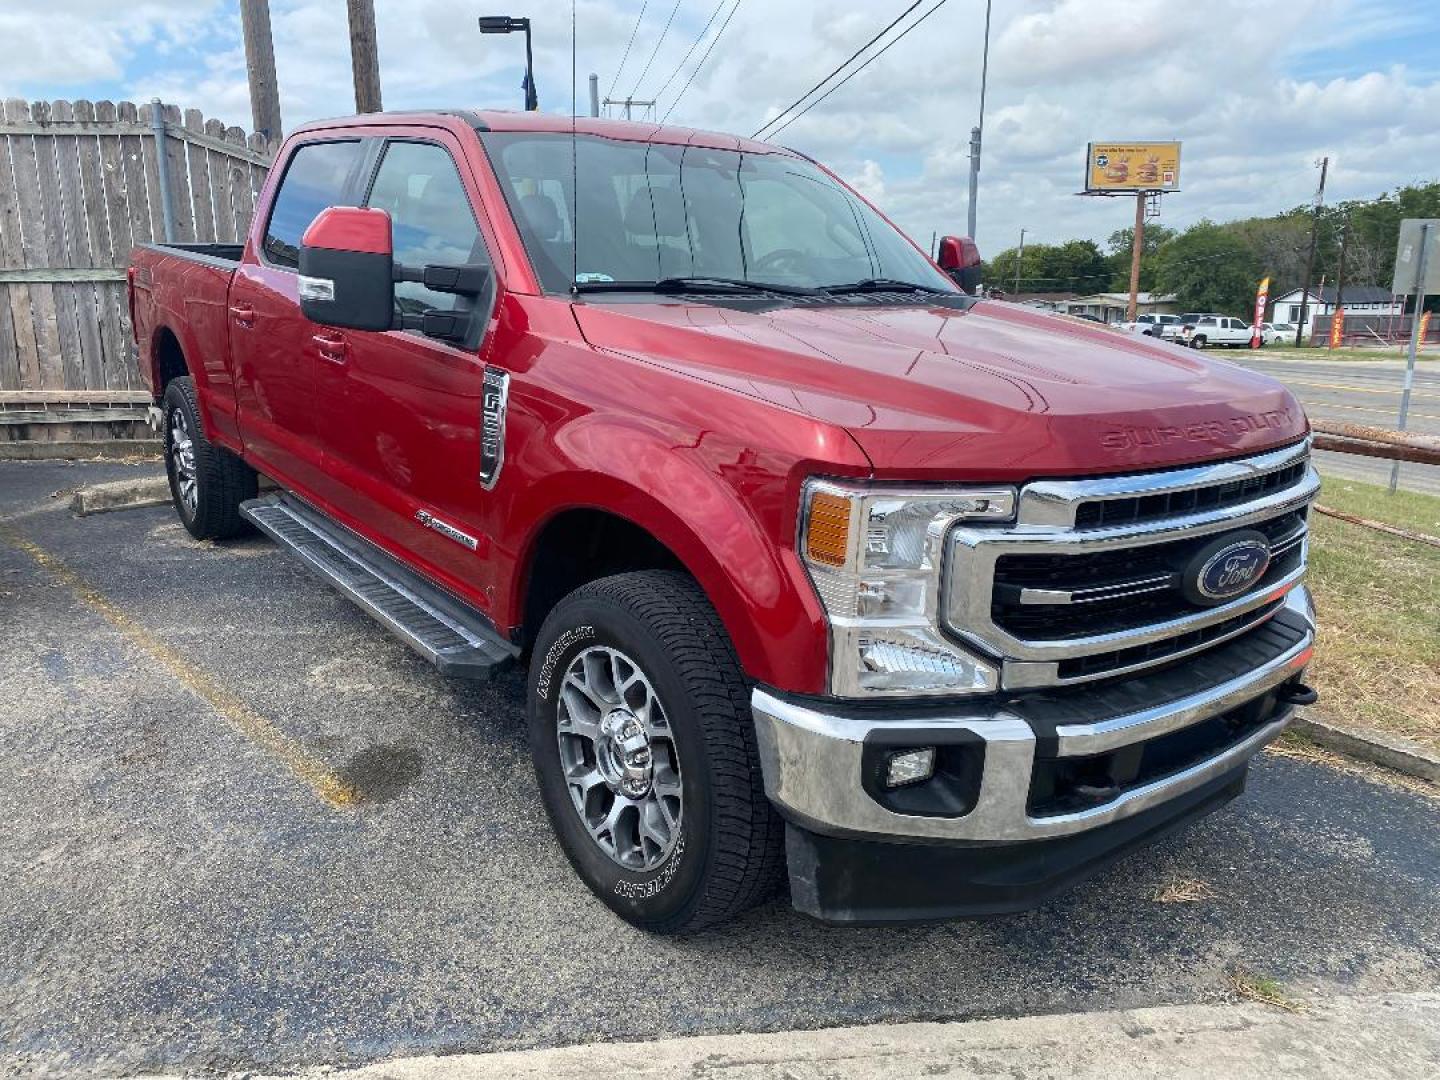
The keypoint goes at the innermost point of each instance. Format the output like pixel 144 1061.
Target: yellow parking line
pixel 1362 408
pixel 322 780
pixel 1363 389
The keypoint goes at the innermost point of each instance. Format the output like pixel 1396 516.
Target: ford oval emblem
pixel 1228 567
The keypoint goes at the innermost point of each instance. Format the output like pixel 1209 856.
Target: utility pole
pixel 630 102
pixel 1137 244
pixel 978 130
pixel 1310 259
pixel 260 67
pixel 1019 261
pixel 594 94
pixel 364 59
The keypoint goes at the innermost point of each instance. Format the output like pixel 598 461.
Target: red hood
pixel 1000 392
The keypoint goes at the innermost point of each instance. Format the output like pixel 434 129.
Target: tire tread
pixel 225 481
pixel 746 834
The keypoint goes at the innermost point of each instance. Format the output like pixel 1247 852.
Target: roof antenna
pixel 574 169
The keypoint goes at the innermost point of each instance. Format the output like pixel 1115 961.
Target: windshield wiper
pixel 881 284
pixel 710 285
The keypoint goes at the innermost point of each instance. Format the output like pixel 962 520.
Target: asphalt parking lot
pixel 246 829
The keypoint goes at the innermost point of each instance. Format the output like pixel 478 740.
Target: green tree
pixel 1078 265
pixel 1209 268
pixel 1118 248
pixel 1000 271
pixel 1074 266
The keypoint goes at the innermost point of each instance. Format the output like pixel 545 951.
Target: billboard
pixel 1119 168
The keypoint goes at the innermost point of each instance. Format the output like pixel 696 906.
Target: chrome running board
pixel 454 637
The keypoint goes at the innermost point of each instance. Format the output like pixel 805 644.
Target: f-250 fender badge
pixel 495 399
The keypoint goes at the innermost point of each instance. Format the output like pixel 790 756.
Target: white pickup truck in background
pixel 1207 330
pixel 1151 325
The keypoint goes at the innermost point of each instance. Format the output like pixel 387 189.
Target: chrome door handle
pixel 332 348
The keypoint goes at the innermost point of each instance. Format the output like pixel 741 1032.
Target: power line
pixel 633 30
pixel 686 58
pixel 775 119
pixel 706 56
pixel 658 42
pixel 892 42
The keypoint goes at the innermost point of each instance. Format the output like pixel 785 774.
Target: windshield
pixel 652 211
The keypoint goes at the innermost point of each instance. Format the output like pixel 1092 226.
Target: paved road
pixel 180 890
pixel 1361 392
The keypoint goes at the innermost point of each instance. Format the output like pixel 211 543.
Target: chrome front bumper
pixel 812 759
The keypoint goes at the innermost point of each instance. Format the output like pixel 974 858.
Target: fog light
pixel 909 766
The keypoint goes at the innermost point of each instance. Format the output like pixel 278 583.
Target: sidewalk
pixel 1393 1035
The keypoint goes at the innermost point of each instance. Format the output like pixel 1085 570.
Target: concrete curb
pixel 1376 747
pixel 82 450
pixel 121 495
pixel 1344 1038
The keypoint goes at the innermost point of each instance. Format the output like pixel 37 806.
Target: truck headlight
pixel 874 554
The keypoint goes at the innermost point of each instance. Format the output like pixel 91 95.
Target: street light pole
pixel 978 130
pixel 505 24
pixel 1019 261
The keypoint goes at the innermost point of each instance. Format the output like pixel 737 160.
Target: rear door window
pixel 318 176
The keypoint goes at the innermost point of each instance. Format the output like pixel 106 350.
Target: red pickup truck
pixel 815 561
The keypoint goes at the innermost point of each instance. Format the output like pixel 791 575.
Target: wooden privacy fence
pixel 80 184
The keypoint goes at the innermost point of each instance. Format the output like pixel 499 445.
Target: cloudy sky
pixel 1257 92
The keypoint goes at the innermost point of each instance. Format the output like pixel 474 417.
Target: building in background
pixel 1358 300
pixel 1110 306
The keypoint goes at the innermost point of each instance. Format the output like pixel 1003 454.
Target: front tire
pixel 1198 342
pixel 645 753
pixel 207 482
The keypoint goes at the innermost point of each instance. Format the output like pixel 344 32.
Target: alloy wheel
pixel 617 751
pixel 182 462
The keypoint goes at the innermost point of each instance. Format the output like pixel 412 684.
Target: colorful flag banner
pixel 1257 324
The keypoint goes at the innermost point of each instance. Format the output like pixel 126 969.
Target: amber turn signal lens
pixel 827 529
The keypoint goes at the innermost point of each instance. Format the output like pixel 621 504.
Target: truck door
pixel 271 353
pixel 399 412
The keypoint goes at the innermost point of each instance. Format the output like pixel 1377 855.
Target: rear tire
pixel 633 681
pixel 207 482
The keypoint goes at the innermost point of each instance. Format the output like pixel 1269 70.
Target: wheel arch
pixel 167 360
pixel 776 628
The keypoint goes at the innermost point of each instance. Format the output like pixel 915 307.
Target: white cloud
pixel 1062 73
pixel 74 42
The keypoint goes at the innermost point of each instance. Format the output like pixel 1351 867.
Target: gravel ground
pixel 177 893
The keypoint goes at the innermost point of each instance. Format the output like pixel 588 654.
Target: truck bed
pixel 229 254
pixel 185 288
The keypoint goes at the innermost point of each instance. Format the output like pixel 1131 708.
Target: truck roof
pixel 514 120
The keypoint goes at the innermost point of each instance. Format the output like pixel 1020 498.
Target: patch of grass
pixel 1377 598
pixel 1391 352
pixel 1262 988
pixel 1404 509
pixel 1183 891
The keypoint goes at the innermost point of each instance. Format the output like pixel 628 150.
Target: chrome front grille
pixel 1070 592
pixel 1054 597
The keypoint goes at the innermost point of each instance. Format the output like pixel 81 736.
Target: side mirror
pixel 347 275
pixel 960 258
